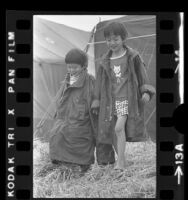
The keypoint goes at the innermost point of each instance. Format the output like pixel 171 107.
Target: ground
pixel 137 181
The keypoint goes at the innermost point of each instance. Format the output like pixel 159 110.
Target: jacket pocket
pixel 80 109
pixel 81 112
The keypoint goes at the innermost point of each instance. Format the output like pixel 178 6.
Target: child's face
pixel 114 42
pixel 74 69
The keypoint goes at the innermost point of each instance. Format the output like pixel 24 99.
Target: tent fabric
pixel 56 39
pixel 141 36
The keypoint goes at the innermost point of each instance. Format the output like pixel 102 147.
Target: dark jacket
pixel 72 136
pixel 137 85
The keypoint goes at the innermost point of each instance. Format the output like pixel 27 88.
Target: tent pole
pixel 141 36
pixel 90 39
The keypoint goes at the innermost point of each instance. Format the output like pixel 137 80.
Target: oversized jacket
pixel 72 136
pixel 137 85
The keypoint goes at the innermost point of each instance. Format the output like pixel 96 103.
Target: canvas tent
pixel 52 41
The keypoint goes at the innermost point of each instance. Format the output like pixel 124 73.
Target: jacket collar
pixel 106 57
pixel 79 83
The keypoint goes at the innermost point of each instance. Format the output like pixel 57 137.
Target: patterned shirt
pixel 119 77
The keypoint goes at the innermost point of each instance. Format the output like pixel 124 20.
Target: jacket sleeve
pixel 96 95
pixel 91 88
pixel 142 77
pixel 58 97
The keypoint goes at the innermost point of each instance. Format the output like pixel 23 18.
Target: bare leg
pixel 121 140
pixel 115 143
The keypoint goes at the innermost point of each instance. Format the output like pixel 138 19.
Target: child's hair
pixel 115 28
pixel 76 56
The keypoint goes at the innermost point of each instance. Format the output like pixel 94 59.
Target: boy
pixel 121 91
pixel 72 139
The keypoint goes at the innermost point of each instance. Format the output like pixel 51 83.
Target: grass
pixel 137 181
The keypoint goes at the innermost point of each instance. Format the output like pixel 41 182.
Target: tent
pixel 52 41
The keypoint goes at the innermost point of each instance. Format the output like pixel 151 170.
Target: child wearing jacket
pixel 72 137
pixel 121 91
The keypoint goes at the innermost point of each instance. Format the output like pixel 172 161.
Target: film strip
pixel 19 119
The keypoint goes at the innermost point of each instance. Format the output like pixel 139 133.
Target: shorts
pixel 121 108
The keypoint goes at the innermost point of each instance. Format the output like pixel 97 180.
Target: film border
pixel 19 85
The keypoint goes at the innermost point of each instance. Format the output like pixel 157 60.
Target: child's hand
pixel 145 97
pixel 95 107
pixel 95 111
